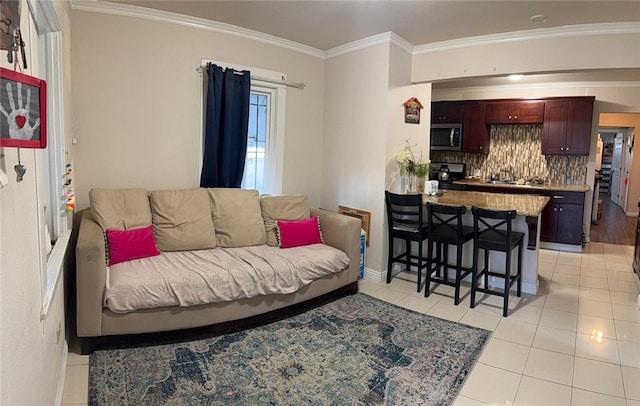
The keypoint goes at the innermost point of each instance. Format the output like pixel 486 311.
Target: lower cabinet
pixel 562 223
pixel 561 218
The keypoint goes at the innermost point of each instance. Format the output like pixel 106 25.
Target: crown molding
pixel 402 43
pixel 528 35
pixel 384 38
pixel 534 86
pixel 371 41
pixel 97 6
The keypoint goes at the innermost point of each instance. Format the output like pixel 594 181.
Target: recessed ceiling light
pixel 516 76
pixel 539 19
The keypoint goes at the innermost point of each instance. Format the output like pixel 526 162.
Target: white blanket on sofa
pixel 188 278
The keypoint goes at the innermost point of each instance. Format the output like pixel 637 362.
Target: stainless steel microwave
pixel 446 137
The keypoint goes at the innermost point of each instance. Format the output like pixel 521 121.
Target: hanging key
pixel 20 171
pixel 22 50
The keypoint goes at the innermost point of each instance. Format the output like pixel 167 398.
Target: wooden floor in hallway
pixel 614 227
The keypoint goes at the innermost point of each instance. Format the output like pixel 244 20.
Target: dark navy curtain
pixel 226 126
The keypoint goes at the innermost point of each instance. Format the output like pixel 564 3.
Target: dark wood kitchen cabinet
pixel 562 218
pixel 515 112
pixel 446 112
pixel 567 126
pixel 475 135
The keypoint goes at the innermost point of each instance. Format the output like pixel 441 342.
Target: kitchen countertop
pixel 544 186
pixel 524 205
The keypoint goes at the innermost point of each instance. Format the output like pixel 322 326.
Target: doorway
pixel 611 224
pixel 614 164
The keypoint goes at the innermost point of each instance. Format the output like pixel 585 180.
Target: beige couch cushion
pixel 120 209
pixel 182 219
pixel 237 217
pixel 285 207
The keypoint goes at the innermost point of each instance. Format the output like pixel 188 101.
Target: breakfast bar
pixel 528 209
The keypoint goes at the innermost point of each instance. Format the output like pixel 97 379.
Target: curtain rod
pixel 299 86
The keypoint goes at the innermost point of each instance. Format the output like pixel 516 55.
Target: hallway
pixel 614 227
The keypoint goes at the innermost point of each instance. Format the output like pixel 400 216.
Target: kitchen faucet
pixel 509 172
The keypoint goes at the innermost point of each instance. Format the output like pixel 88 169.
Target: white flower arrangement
pixel 408 163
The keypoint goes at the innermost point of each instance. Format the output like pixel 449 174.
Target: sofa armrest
pixel 342 232
pixel 90 276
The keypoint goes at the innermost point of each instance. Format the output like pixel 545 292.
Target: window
pixel 263 165
pixel 51 162
pixel 265 144
pixel 255 175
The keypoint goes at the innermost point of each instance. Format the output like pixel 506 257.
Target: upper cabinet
pixel 475 135
pixel 446 112
pixel 567 126
pixel 515 112
pixel 566 121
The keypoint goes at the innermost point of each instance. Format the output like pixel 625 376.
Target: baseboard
pixel 530 288
pixel 631 213
pixel 560 247
pixel 63 374
pixel 374 275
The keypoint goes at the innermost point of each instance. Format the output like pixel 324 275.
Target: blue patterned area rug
pixel 354 350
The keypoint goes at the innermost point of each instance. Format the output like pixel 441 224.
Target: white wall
pixel 137 103
pixel 364 129
pixel 32 351
pixel 522 55
pixel 354 142
pixel 398 133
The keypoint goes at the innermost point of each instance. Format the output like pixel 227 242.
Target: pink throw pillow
pixel 125 245
pixel 299 232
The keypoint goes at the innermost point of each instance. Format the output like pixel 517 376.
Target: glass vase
pixel 420 184
pixel 409 183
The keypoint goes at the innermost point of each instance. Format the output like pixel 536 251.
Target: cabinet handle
pixel 481 147
pixel 560 208
pixel 555 209
pixel 561 149
pixel 509 117
pixel 515 117
pixel 567 148
pixel 558 197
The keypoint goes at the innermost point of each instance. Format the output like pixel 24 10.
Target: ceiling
pixel 327 24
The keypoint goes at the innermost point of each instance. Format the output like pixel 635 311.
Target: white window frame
pixel 51 164
pixel 261 81
pixel 274 151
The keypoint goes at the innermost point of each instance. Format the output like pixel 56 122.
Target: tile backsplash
pixel 518 149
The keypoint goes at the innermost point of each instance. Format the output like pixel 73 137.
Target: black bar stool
pixel 405 221
pixel 445 228
pixel 492 231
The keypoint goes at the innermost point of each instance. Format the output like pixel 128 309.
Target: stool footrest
pixel 412 260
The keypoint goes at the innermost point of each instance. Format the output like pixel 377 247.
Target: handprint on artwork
pixel 20 127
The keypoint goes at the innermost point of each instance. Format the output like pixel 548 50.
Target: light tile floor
pixel 577 342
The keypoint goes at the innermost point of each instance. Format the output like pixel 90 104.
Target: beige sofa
pixel 207 222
